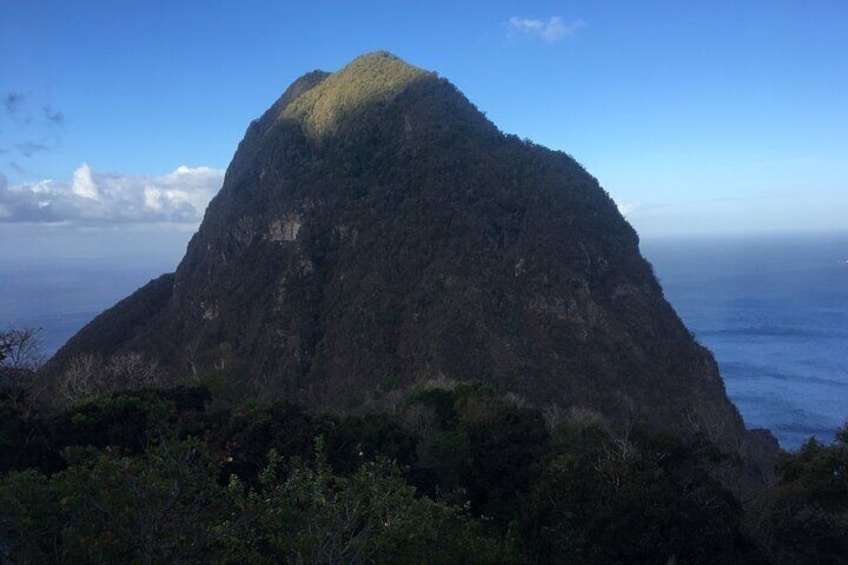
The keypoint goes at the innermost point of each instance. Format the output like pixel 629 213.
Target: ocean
pixel 61 299
pixel 773 310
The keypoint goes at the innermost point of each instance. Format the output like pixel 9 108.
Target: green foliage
pixel 459 475
pixel 109 508
pixel 127 421
pixel 34 517
pixel 247 434
pixel 372 516
pixel 156 508
pixel 633 500
pixel 508 451
pixel 353 440
pixel 805 519
pixel 165 506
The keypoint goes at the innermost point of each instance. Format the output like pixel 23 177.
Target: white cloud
pixel 549 31
pixel 83 185
pixel 625 208
pixel 98 198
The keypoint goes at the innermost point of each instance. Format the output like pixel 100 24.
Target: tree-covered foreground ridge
pixel 455 473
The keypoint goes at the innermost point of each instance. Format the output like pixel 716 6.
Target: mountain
pixel 375 230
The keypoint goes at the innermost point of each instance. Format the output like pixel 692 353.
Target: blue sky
pixel 119 117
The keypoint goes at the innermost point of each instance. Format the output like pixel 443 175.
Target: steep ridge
pixel 375 230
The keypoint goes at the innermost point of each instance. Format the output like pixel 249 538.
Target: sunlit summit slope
pixel 375 230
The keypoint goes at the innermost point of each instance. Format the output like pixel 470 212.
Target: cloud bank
pixel 549 31
pixel 99 198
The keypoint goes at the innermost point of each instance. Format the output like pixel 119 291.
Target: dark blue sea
pixel 773 310
pixel 60 299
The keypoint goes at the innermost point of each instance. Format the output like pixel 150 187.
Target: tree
pixel 372 516
pixel 87 375
pixel 20 348
pixel 21 356
pixel 161 507
pixel 634 499
pixel 805 519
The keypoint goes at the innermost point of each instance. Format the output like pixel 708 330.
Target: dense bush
pixel 457 474
pixel 805 516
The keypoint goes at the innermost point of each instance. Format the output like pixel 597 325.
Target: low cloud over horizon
pixel 93 198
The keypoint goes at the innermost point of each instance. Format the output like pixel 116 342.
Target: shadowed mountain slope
pixel 375 230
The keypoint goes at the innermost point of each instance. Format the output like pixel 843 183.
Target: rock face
pixel 374 230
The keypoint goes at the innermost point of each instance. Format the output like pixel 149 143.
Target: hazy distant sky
pixel 118 118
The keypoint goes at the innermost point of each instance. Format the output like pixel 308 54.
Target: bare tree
pixel 554 416
pixel 133 370
pixel 20 348
pixel 89 375
pixel 81 378
pixel 21 356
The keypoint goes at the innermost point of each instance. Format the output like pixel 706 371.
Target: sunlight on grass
pixel 372 78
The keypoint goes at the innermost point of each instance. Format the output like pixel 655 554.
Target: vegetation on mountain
pixel 370 80
pixel 375 231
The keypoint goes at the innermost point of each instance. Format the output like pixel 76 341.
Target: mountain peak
pixel 375 232
pixel 369 79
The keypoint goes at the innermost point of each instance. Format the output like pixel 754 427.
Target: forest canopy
pixel 456 474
